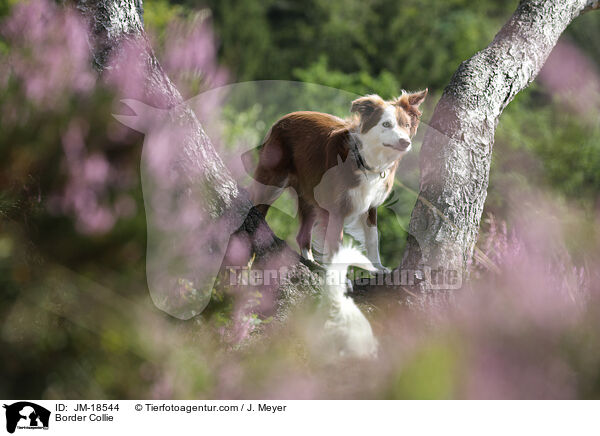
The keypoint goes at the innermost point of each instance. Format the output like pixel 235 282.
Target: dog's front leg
pixel 333 235
pixel 369 223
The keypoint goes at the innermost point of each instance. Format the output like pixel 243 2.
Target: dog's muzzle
pixel 401 145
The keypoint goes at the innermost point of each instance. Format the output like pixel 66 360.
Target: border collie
pixel 341 170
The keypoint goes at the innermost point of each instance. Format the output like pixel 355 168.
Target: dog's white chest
pixel 369 193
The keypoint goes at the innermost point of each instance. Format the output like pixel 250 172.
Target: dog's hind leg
pixel 267 187
pixel 271 176
pixel 318 237
pixel 307 220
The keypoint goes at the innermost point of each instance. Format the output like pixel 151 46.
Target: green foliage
pixel 411 40
pixel 541 140
pixel 159 13
pixel 585 32
pixel 360 83
pixel 430 375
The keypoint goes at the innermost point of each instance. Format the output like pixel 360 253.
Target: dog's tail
pixel 347 330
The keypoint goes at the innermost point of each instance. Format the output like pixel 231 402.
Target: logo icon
pixel 26 415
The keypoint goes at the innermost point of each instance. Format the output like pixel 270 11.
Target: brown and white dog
pixel 341 170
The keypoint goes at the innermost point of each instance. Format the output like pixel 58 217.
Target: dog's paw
pixel 307 254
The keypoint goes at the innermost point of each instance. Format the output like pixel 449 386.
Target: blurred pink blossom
pixel 190 49
pixel 569 74
pixel 126 70
pixel 50 52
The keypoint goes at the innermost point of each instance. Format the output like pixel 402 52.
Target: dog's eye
pixel 387 124
pixel 407 125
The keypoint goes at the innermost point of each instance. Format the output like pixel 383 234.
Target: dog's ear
pixel 416 98
pixel 410 102
pixel 365 106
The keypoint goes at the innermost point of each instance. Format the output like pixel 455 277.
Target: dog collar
pixel 363 166
pixel 360 161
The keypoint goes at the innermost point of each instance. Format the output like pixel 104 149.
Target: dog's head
pixel 387 127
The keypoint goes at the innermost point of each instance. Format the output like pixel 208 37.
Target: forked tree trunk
pixel 456 153
pixel 457 149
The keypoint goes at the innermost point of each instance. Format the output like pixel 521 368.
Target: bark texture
pixel 457 149
pixel 117 23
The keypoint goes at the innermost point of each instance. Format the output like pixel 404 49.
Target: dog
pixel 341 169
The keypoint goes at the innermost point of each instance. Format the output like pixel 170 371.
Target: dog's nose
pixel 403 144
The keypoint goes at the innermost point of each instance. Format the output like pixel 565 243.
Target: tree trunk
pixel 457 149
pixel 116 23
